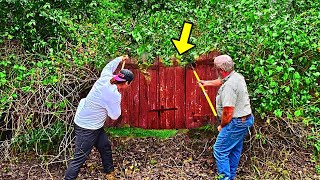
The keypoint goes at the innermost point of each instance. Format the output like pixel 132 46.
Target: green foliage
pixel 318 169
pixel 275 45
pixel 138 132
pixel 40 140
pixel 40 25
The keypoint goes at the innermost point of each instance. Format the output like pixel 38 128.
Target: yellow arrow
pixel 182 45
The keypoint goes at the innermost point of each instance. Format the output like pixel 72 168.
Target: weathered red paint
pixel 168 98
pixel 180 97
pixel 172 99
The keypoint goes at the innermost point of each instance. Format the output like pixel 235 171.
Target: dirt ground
pixel 185 156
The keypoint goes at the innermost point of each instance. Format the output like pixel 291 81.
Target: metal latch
pixel 162 109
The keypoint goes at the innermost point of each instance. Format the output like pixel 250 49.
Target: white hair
pixel 224 62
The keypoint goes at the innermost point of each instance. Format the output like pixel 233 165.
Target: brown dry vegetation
pixel 188 155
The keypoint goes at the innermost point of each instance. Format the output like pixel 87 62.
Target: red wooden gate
pixel 168 97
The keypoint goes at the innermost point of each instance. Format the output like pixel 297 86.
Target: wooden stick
pixel 205 93
pixel 123 64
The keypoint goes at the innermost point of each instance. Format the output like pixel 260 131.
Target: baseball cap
pixel 124 75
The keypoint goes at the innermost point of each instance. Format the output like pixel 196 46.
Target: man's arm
pixel 112 65
pixel 229 98
pixel 216 82
pixel 114 114
pixel 226 115
pixel 114 110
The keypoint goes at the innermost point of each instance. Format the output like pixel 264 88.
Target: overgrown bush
pixel 41 140
pixel 45 66
pixel 42 25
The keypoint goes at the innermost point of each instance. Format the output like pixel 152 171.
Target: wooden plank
pixel 125 108
pixel 206 110
pixel 153 101
pixel 197 107
pixel 206 73
pixel 162 100
pixel 203 103
pixel 130 97
pixel 180 97
pixel 171 96
pixel 212 91
pixel 148 96
pixel 191 98
pixel 143 101
pixel 130 101
pixel 166 96
pixel 133 99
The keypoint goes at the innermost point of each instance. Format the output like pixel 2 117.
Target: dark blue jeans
pixel 228 146
pixel 85 140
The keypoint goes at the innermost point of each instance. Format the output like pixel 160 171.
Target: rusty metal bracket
pixel 163 109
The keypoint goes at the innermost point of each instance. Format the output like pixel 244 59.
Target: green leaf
pixel 298 113
pixel 62 105
pixel 39 64
pixel 287 89
pixel 279 68
pixel 32 23
pixel 273 84
pixel 285 76
pixel 2 74
pixel 291 69
pixel 26 88
pixel 296 75
pixel 49 104
pixel 278 113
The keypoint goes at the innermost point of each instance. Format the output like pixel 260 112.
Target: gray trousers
pixel 85 140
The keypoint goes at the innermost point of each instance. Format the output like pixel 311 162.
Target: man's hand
pixel 214 83
pixel 203 82
pixel 112 122
pixel 125 58
pixel 219 128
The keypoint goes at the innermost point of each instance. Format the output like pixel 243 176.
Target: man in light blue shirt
pixel 102 102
